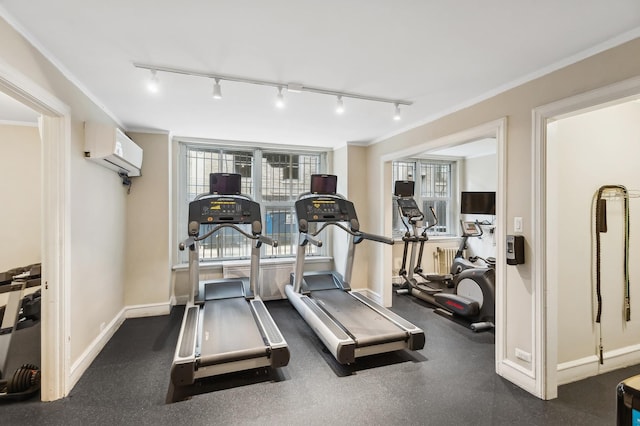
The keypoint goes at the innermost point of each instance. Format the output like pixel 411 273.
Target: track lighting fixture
pixel 290 87
pixel 339 106
pixel 217 91
pixel 153 84
pixel 396 115
pixel 280 99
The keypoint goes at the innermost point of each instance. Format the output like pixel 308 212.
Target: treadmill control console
pixel 408 207
pixel 224 209
pixel 325 208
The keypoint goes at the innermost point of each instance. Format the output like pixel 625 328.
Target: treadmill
pixel 349 324
pixel 226 327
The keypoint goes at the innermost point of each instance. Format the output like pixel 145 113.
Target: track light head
pixel 339 105
pixel 217 91
pixel 153 85
pixel 396 115
pixel 280 99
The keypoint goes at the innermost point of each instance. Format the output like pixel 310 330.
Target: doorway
pixel 494 130
pixel 580 145
pixel 54 126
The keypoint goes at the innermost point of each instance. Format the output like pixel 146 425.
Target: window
pixel 273 179
pixel 434 187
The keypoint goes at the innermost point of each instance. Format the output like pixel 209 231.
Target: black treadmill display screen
pixel 325 209
pixel 221 208
pixel 215 210
pixel 329 207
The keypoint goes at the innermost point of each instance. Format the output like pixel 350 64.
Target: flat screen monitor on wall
pixel 478 203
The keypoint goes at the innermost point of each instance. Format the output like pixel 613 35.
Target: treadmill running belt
pixel 365 325
pixel 229 331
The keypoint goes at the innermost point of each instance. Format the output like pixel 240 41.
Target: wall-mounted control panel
pixel 515 249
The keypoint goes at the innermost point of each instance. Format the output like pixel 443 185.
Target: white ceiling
pixel 479 148
pixel 441 55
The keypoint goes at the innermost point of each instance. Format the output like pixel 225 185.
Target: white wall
pixel 20 192
pixel 585 152
pixel 98 250
pixel 340 169
pixel 480 174
pixel 148 233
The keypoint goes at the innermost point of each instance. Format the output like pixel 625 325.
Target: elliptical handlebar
pixel 435 221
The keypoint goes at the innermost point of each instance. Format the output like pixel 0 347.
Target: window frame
pixel 452 215
pixel 257 151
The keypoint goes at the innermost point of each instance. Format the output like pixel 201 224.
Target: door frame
pixel 546 294
pixel 55 133
pixel 495 129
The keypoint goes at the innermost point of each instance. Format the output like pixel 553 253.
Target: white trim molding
pixel 590 366
pixel 55 133
pixel 498 129
pixel 83 362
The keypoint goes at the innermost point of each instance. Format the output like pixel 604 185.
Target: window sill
pixel 214 265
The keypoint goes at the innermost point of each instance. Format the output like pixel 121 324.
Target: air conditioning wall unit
pixel 110 147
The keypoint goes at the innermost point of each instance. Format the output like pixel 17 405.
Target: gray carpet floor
pixel 450 382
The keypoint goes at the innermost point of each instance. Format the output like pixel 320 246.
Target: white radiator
pixel 444 259
pixel 273 277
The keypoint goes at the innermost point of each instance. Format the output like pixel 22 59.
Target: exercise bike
pixel 467 294
pixel 459 264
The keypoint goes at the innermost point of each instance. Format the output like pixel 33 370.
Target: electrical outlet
pixel 523 355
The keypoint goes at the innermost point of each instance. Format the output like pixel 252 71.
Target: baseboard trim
pixel 83 362
pixel 519 376
pixel 370 294
pixel 149 310
pixel 572 371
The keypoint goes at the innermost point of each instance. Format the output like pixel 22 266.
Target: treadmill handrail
pixel 311 194
pixel 373 237
pixel 358 235
pixel 207 194
pixel 308 238
pixel 260 237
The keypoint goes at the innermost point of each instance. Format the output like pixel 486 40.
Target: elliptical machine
pixel 466 296
pixel 409 209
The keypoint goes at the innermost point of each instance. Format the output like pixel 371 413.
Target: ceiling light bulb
pixel 396 115
pixel 153 85
pixel 339 106
pixel 217 91
pixel 280 99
